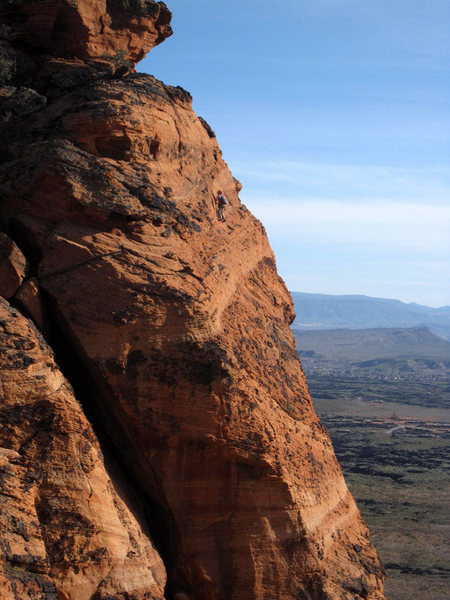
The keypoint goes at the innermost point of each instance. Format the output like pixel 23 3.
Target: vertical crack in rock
pixel 119 456
pixel 154 519
pixel 54 537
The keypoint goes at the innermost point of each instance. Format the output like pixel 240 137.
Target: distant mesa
pixel 323 311
pixel 379 351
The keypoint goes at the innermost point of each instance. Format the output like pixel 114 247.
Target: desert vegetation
pixel 391 435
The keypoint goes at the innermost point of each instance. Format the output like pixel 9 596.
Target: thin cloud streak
pixel 350 181
pixel 420 227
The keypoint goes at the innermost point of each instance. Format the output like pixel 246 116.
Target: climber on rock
pixel 221 203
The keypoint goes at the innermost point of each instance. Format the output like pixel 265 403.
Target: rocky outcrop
pixel 13 266
pixel 84 29
pixel 67 530
pixel 172 328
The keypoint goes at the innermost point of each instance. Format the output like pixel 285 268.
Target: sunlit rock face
pixel 173 352
pixel 86 29
pixel 67 528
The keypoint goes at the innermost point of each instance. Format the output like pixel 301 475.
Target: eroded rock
pixel 67 529
pixel 174 328
pixel 13 266
pixel 117 29
pixel 29 299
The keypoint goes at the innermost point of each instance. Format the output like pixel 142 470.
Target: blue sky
pixel 335 115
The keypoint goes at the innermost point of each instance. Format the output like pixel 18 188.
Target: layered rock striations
pixel 135 322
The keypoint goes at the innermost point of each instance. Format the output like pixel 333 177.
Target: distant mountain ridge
pixel 365 352
pixel 323 311
pixel 365 344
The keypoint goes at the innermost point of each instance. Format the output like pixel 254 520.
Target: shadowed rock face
pixel 173 329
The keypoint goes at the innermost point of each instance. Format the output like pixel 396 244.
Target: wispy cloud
pixel 371 229
pixel 408 226
pixel 351 182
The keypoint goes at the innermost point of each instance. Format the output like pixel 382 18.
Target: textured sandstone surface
pixel 66 529
pixel 173 329
pixel 13 266
pixel 29 299
pixel 86 28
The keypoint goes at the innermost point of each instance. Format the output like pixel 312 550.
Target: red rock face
pixel 86 29
pixel 173 328
pixel 67 531
pixel 12 266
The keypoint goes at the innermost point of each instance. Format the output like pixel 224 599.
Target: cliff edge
pixel 157 437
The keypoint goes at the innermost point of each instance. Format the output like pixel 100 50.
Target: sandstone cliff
pixel 157 436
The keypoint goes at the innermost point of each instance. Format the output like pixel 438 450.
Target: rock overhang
pixel 118 30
